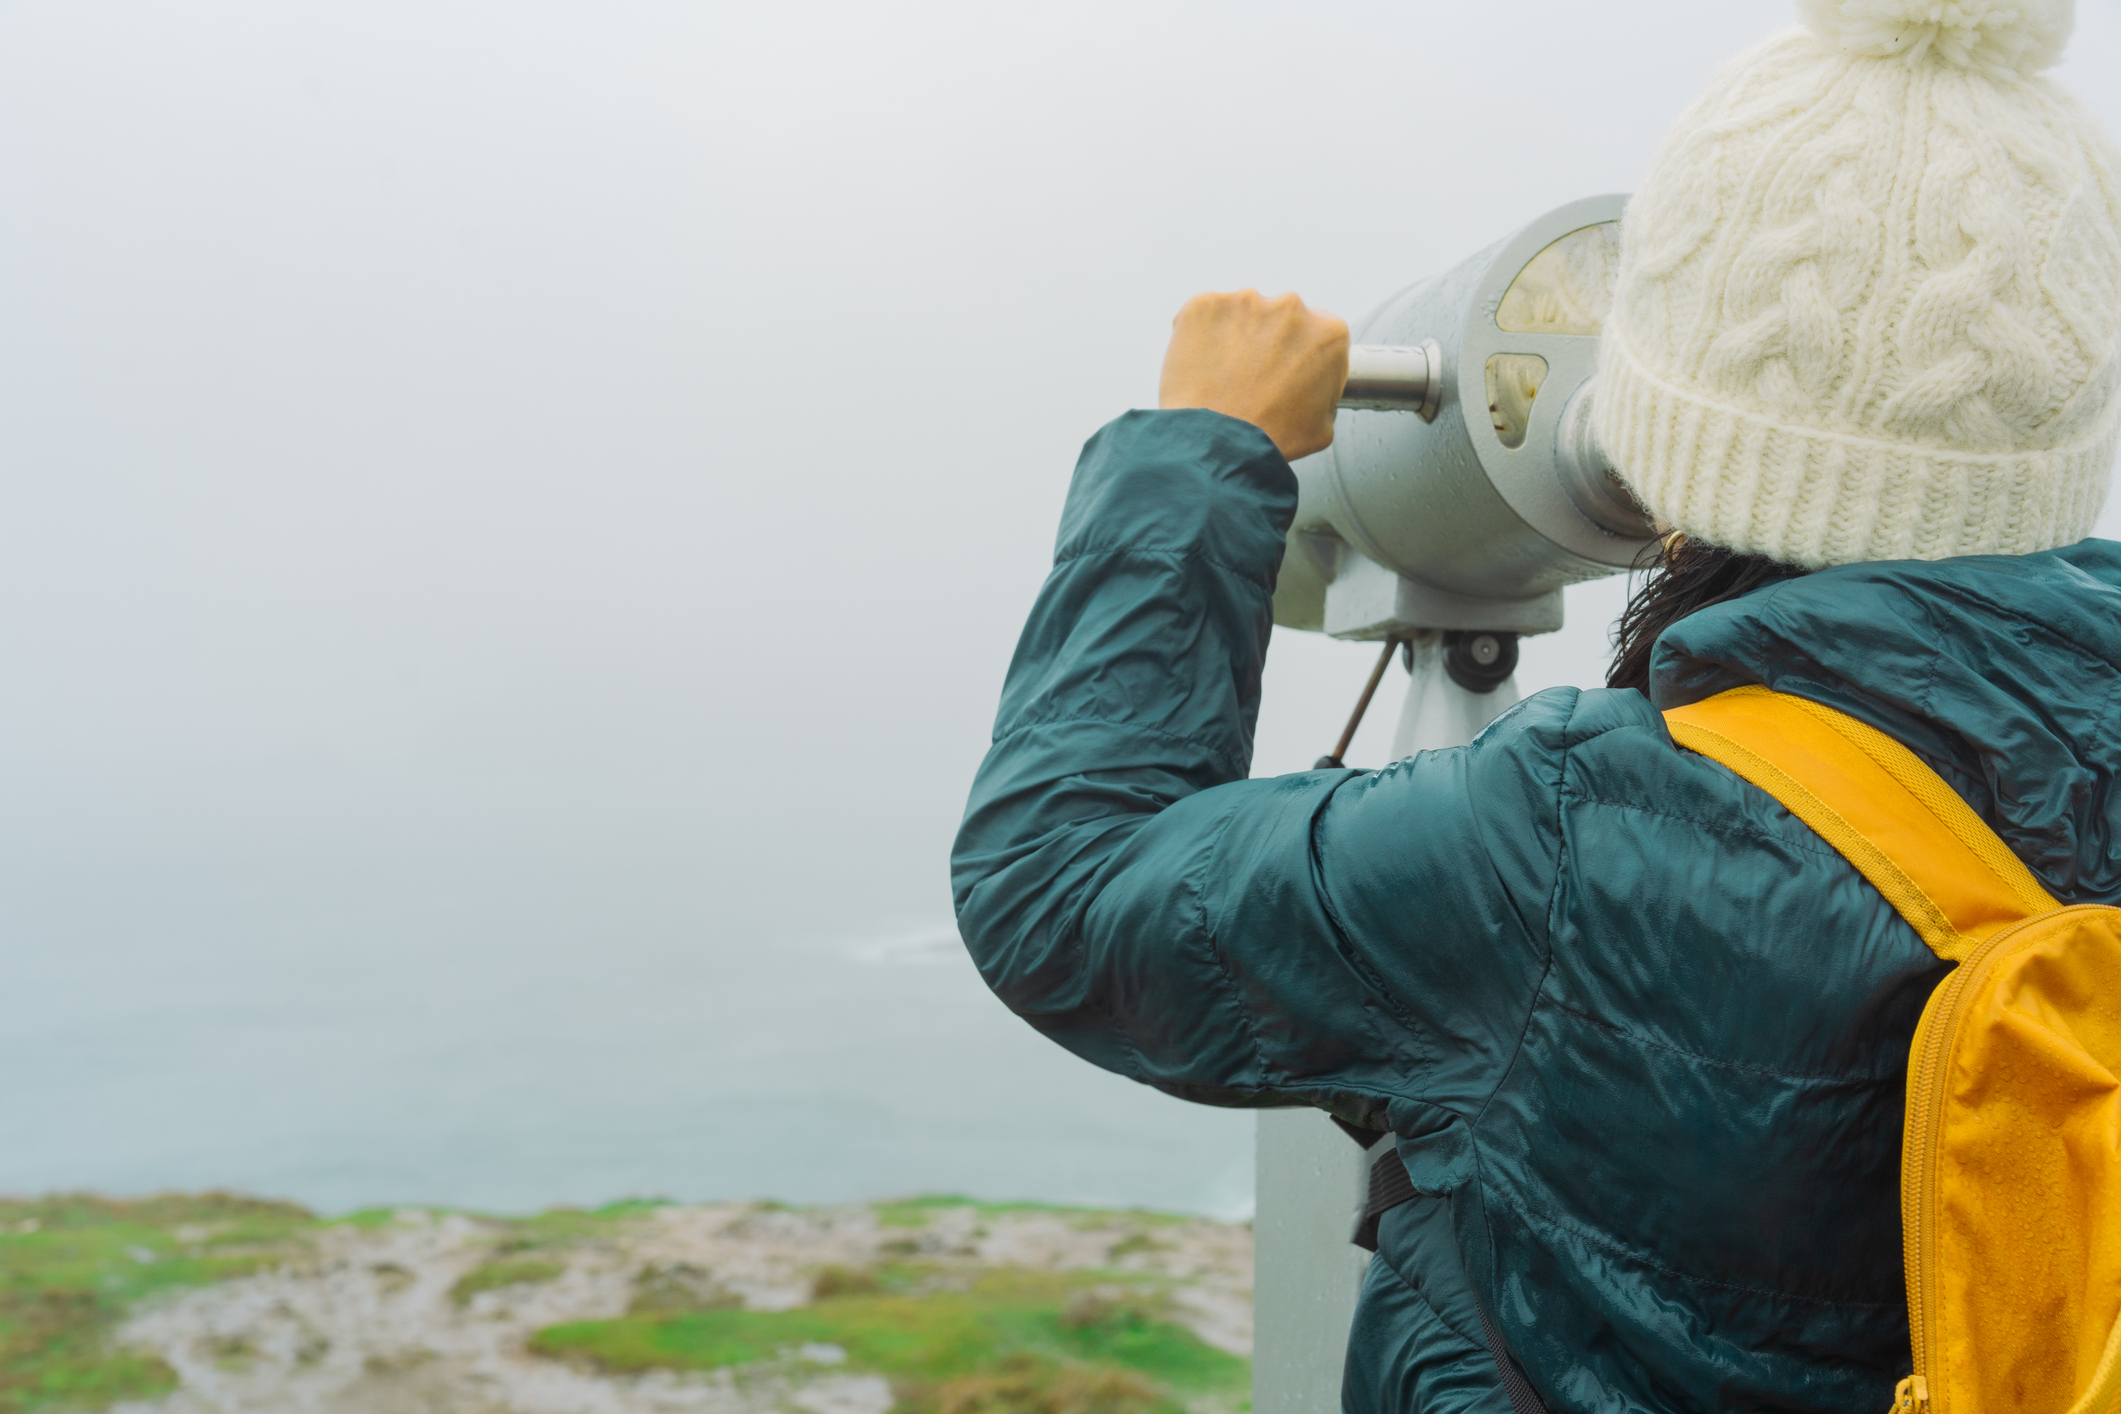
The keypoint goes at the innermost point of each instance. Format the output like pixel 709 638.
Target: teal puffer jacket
pixel 1642 1035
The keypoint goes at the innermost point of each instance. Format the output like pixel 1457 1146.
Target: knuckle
pixel 1203 308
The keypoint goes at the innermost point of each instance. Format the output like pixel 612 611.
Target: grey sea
pixel 401 1055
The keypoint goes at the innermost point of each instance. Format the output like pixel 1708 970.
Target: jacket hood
pixel 2003 672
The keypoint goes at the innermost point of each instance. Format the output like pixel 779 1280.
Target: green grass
pixel 71 1265
pixel 563 1227
pixel 515 1260
pixel 1136 1242
pixel 950 1341
pixel 492 1276
pixel 917 1212
pixel 1012 1341
pixel 679 1286
pixel 556 1227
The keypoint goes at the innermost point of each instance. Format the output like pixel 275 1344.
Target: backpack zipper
pixel 1918 1176
pixel 1918 1167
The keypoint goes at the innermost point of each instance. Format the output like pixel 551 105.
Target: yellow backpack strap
pixel 1924 848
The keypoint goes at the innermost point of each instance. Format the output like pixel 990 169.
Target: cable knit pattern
pixel 1870 295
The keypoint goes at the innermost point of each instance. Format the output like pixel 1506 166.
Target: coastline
pixel 937 1305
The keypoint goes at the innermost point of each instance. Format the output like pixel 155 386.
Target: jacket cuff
pixel 1186 481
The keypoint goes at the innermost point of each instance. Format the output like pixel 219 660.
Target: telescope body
pixel 1464 489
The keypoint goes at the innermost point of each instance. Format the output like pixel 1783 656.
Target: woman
pixel 1641 1034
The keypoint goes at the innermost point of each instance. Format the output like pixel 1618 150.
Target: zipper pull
pixel 1912 1397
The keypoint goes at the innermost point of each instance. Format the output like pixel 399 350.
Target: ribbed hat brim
pixel 1813 498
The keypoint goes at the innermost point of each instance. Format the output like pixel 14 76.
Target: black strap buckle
pixel 1390 1185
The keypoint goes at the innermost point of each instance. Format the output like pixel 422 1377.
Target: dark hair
pixel 1681 576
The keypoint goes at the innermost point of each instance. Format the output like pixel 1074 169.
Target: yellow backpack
pixel 2010 1177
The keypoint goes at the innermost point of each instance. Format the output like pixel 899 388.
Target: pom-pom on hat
pixel 2000 38
pixel 1870 294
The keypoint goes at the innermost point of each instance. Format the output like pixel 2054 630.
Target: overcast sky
pixel 590 461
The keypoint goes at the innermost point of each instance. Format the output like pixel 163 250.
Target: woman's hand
pixel 1270 362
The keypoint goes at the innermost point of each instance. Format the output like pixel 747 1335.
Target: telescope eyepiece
pixel 1594 487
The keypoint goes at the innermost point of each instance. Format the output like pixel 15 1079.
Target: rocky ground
pixel 435 1313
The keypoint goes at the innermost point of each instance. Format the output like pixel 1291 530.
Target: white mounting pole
pixel 1311 1178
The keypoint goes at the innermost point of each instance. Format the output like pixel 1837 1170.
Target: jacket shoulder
pixel 1599 712
pixel 1620 754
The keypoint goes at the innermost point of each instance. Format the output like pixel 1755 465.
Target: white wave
pixel 920 947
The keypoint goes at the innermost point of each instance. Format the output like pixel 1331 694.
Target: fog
pixel 513 518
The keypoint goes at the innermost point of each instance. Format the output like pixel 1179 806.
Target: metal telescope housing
pixel 1463 491
pixel 1464 488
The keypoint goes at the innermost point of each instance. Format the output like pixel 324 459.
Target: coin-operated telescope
pixel 1464 488
pixel 1463 491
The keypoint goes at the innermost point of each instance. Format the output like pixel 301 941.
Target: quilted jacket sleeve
pixel 1366 942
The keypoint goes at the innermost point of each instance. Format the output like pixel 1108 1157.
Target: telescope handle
pixel 1409 378
pixel 1395 378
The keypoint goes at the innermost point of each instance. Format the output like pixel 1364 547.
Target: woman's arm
pixel 1333 938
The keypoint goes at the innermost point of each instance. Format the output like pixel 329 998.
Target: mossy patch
pixel 1026 1384
pixel 1007 1340
pixel 71 1266
pixel 555 1227
pixel 843 1281
pixel 567 1227
pixel 679 1286
pixel 952 1337
pixel 505 1272
pixel 1133 1243
pixel 530 1250
pixel 920 1211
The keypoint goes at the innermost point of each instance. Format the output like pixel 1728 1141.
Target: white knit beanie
pixel 1870 294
